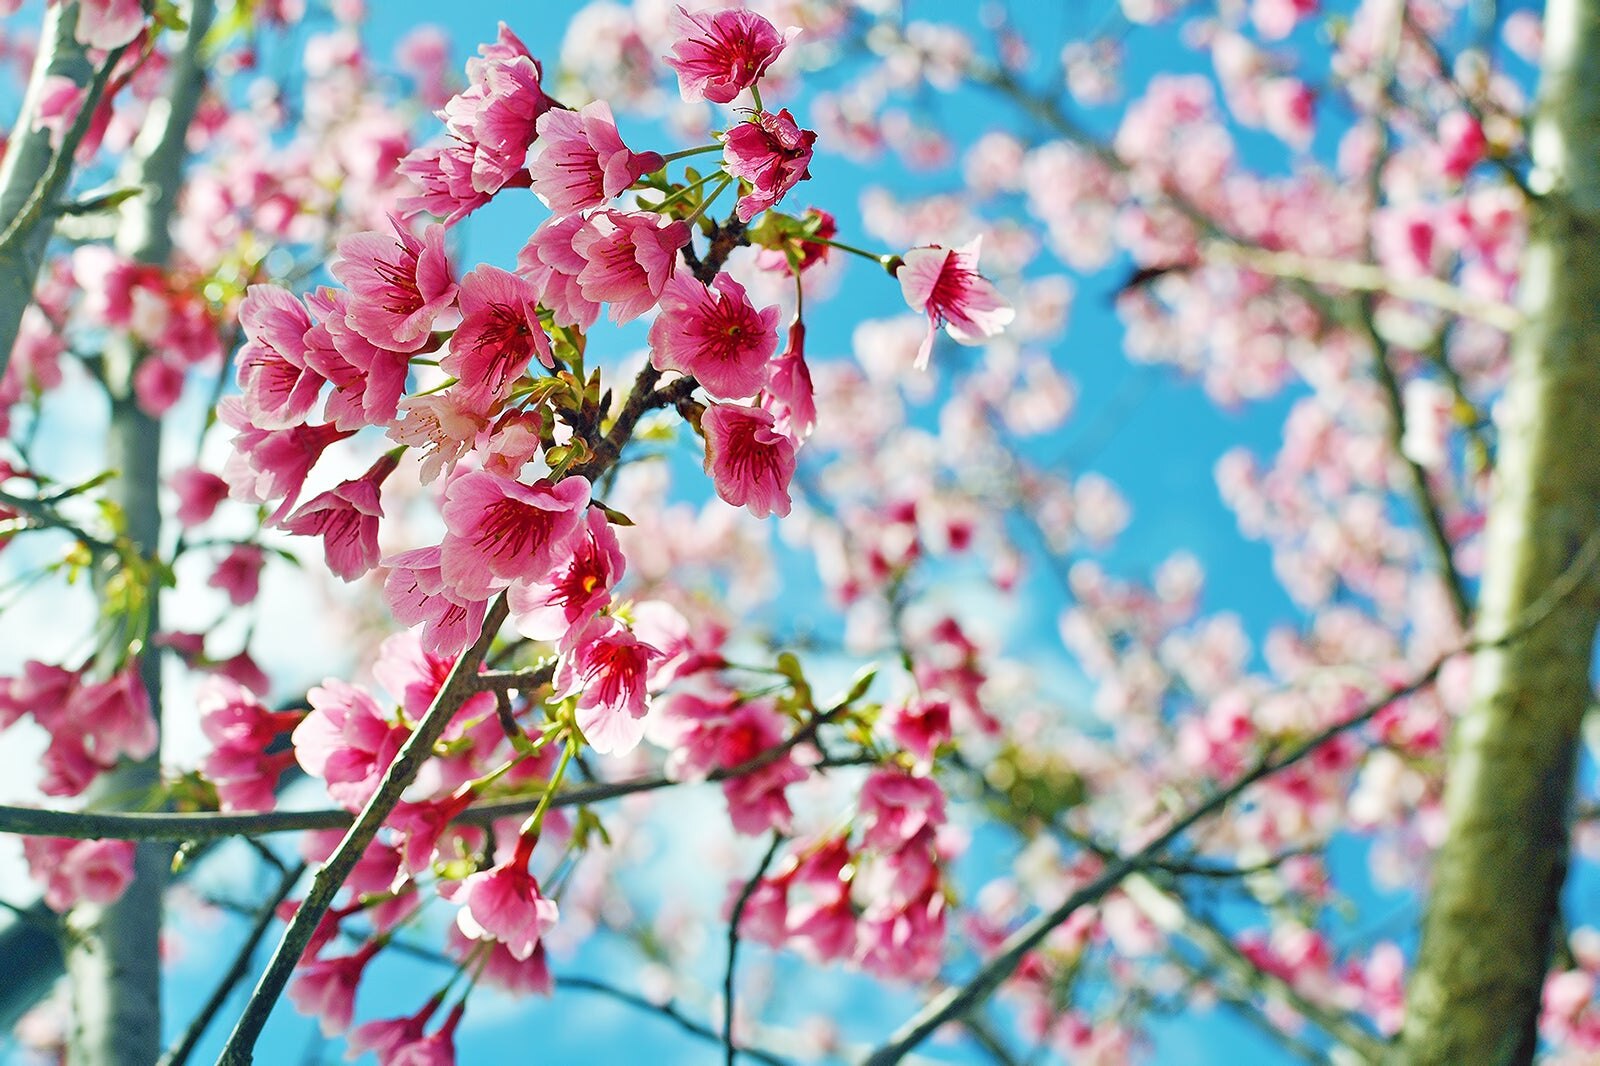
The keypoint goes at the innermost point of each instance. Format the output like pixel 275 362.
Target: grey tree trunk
pixel 1474 996
pixel 113 957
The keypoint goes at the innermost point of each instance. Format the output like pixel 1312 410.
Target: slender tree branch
pixel 179 1053
pixel 666 1010
pixel 732 1051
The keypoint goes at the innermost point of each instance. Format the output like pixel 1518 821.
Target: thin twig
pixel 666 1010
pixel 733 946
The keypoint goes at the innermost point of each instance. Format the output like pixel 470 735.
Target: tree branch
pixel 733 946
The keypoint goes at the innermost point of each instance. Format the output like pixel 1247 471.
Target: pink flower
pixel 766 912
pixel 810 252
pixel 720 54
pixel 507 121
pixel 444 424
pixel 112 718
pixel 550 263
pixel 772 153
pixel 326 988
pixel 944 284
pixel 500 531
pixel 158 384
pixel 108 24
pixel 268 464
pixel 41 690
pixel 445 177
pixel 367 380
pixel 79 871
pixel 715 335
pixel 628 257
pixel 416 593
pixel 239 574
pixel 750 462
pixel 920 725
pixel 399 284
pixel 346 741
pixel 905 943
pixel 499 332
pixel 386 1035
pixel 199 493
pixel 241 729
pixel 581 160
pixel 790 396
pixel 504 904
pixel 346 518
pixel 279 388
pixel 576 589
pixel 895 807
pixel 607 668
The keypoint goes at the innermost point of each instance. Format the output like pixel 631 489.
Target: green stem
pixel 687 152
pixel 709 200
pixel 880 259
pixel 686 190
pixel 536 819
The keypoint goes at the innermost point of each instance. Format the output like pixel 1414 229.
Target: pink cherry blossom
pixel 790 394
pixel 581 161
pixel 416 593
pixel 367 379
pixel 550 262
pixel 347 741
pixel 241 729
pixel 770 152
pixel 750 462
pixel 112 718
pixel 576 589
pixel 239 573
pixel 499 333
pixel 920 724
pixel 279 388
pixel 606 666
pixel 108 24
pixel 79 871
pixel 266 465
pixel 199 494
pixel 628 257
pixel 944 284
pixel 346 518
pixel 445 425
pixel 714 334
pixel 720 54
pixel 896 807
pixel 504 904
pixel 500 531
pixel 326 988
pixel 399 284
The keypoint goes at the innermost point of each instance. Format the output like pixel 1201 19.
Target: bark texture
pixel 113 957
pixel 1474 996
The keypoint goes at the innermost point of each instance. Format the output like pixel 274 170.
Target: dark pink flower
pixel 266 464
pixel 158 384
pixel 944 284
pixel 326 988
pixel 386 1035
pixel 772 153
pixel 279 388
pixel 920 724
pixel 507 120
pixel 346 518
pixel 367 380
pixel 241 729
pixel 416 593
pixel 715 335
pixel 199 493
pixel 577 588
pixel 500 531
pixel 720 54
pixel 399 284
pixel 607 668
pixel 581 161
pixel 790 395
pixel 239 574
pixel 346 741
pixel 79 871
pixel 750 462
pixel 499 332
pixel 895 807
pixel 628 257
pixel 550 263
pixel 504 904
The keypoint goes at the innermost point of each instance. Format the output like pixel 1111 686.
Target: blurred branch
pixel 733 945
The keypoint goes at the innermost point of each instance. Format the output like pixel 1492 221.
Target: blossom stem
pixel 536 819
pixel 686 190
pixel 881 259
pixel 727 180
pixel 687 152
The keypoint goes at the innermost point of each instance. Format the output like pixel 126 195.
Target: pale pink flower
pixel 551 264
pixel 499 332
pixel 399 284
pixel 581 161
pixel 895 807
pixel 628 257
pixel 445 177
pixel 346 518
pixel 443 424
pixel 416 593
pixel 944 284
pixel 108 24
pixel 720 54
pixel 750 462
pixel 714 334
pixel 607 668
pixel 903 943
pixel 199 494
pixel 504 904
pixel 111 719
pixel 577 589
pixel 500 531
pixel 79 871
pixel 279 388
pixel 770 152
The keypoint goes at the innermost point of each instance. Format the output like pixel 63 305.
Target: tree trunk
pixel 1486 942
pixel 113 959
